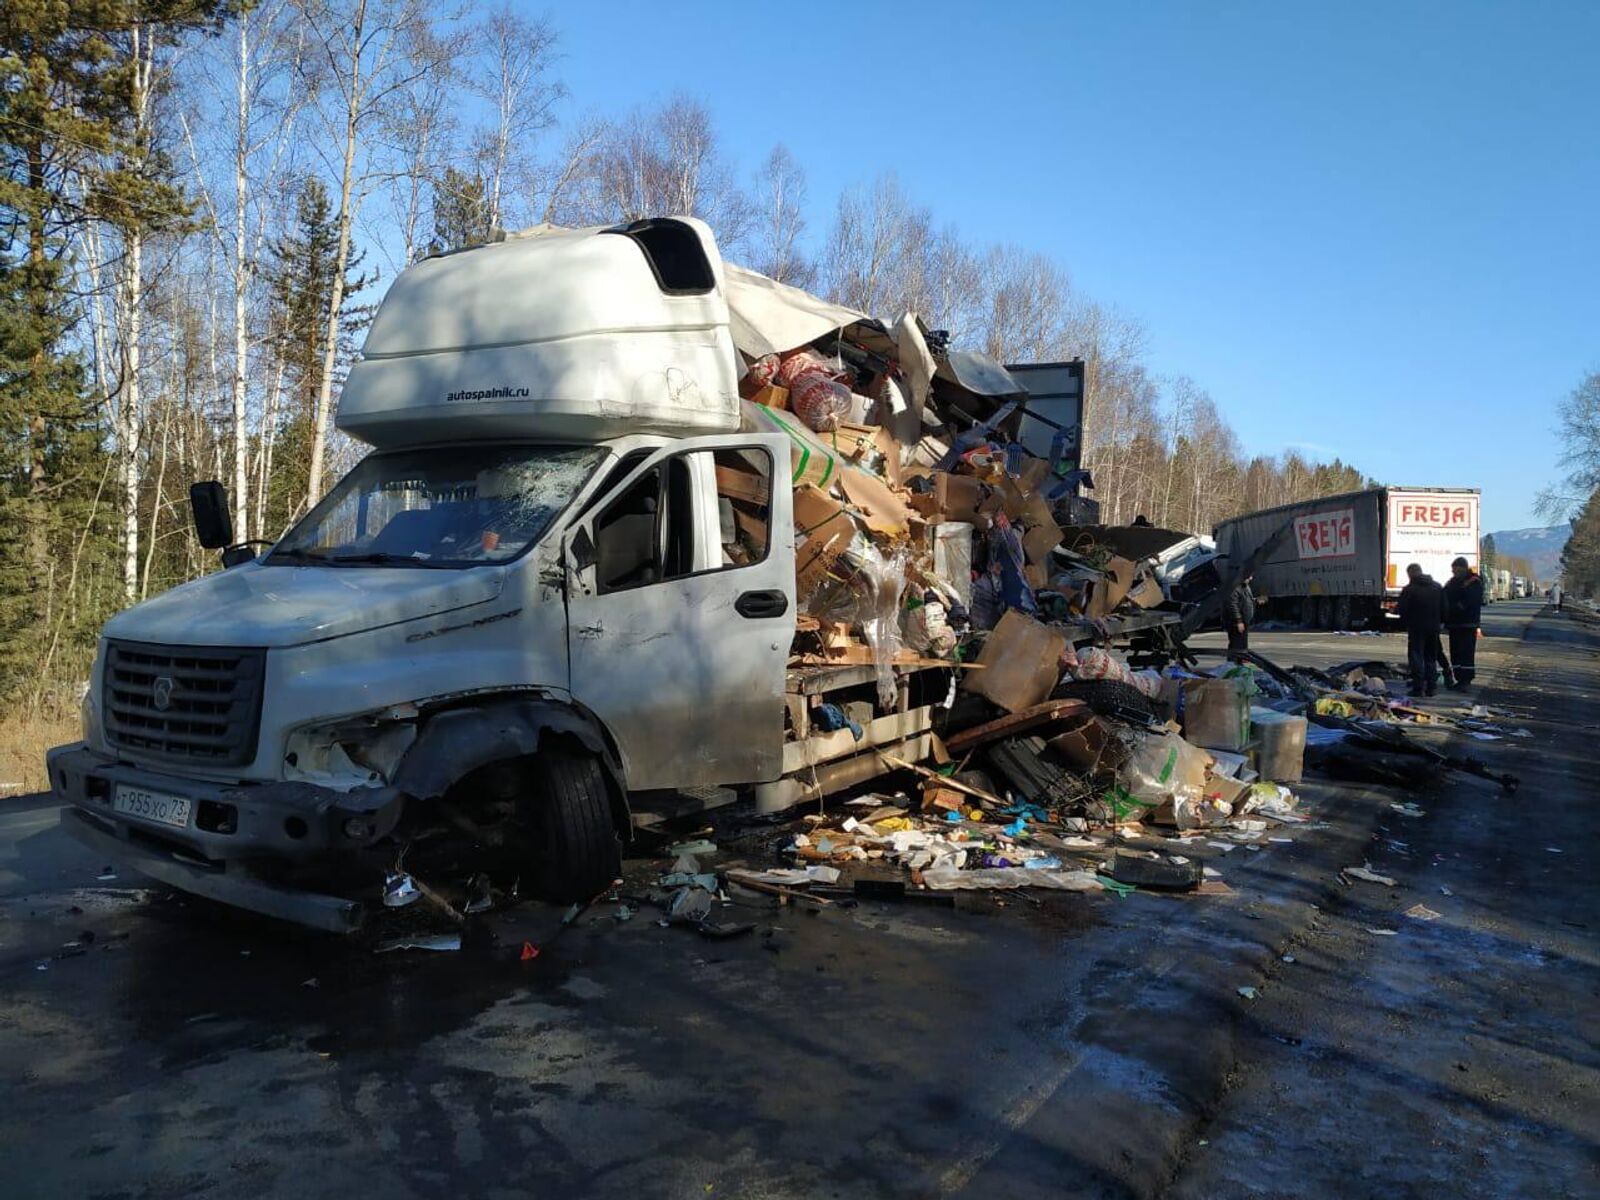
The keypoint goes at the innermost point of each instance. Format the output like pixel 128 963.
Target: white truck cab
pixel 561 577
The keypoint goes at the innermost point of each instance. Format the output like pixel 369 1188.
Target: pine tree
pixel 300 272
pixel 461 211
pixel 1580 558
pixel 71 152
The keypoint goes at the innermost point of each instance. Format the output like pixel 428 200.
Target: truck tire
pixel 1324 612
pixel 1109 697
pixel 577 852
pixel 1308 612
pixel 1342 609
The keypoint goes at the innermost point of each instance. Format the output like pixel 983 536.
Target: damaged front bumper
pixel 239 844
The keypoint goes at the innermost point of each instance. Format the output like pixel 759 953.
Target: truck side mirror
pixel 582 550
pixel 213 524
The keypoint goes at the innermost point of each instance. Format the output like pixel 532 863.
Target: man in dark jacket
pixel 1237 612
pixel 1463 613
pixel 1421 613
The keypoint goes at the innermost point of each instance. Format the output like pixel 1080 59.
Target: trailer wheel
pixel 1341 612
pixel 566 806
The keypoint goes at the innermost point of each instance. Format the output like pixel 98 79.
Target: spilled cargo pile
pixel 1064 795
pixel 1028 653
pixel 921 518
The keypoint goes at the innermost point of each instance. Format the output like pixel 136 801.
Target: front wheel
pixel 567 808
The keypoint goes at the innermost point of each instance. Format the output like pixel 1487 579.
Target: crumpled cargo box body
pixel 553 335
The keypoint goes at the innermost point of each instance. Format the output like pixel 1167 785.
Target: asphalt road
pixel 1089 1046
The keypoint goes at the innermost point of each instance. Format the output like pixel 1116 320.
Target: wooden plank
pixel 977 793
pixel 825 747
pixel 1014 724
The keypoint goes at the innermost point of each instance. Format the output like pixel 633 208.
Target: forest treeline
pixel 201 201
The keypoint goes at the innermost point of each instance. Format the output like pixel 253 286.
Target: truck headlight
pixel 350 753
pixel 89 717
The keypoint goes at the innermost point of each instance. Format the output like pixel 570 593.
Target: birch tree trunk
pixel 352 112
pixel 242 263
pixel 128 410
pixel 269 441
pixel 129 413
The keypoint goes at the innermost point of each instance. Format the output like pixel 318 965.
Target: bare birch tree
pixel 362 65
pixel 253 81
pixel 780 199
pixel 1025 298
pixel 872 259
pixel 663 163
pixel 517 57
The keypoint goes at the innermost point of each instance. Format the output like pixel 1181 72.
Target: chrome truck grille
pixel 193 704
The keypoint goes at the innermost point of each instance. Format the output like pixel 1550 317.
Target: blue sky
pixel 1370 229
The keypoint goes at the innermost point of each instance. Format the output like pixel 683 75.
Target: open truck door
pixel 681 611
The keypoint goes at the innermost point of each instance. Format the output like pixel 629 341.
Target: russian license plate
pixel 152 806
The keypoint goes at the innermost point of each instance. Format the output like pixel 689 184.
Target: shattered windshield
pixel 456 506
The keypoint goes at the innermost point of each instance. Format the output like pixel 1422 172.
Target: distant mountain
pixel 1541 546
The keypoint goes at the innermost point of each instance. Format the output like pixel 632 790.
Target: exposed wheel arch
pixel 455 742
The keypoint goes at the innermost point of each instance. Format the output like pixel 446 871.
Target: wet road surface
pixel 1089 1046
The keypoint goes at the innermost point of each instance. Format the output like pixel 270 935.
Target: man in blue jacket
pixel 1421 613
pixel 1463 613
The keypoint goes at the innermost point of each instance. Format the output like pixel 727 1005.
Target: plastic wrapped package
pixel 1161 769
pixel 819 401
pixel 862 589
pixel 1283 744
pixel 1096 662
pixel 882 627
pixel 1216 712
pixel 926 626
pixel 952 557
pixel 1147 681
pixel 805 361
pixel 763 371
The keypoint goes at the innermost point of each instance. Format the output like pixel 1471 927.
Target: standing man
pixel 1463 613
pixel 1421 613
pixel 1237 613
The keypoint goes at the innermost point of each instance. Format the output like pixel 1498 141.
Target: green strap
pixel 805 452
pixel 1172 761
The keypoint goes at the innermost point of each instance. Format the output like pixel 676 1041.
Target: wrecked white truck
pixel 528 607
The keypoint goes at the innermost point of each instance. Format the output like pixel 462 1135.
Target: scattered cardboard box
pixel 810 459
pixel 1019 662
pixel 743 485
pixel 1090 746
pixel 1216 713
pixel 883 512
pixel 960 498
pixel 872 446
pixel 1146 592
pixel 1105 594
pixel 822 531
pixel 772 396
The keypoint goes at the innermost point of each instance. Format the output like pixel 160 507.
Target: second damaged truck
pixel 563 579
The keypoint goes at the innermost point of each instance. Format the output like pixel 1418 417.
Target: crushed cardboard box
pixel 1020 662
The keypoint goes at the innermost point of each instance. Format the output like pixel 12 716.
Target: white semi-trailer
pixel 1344 562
